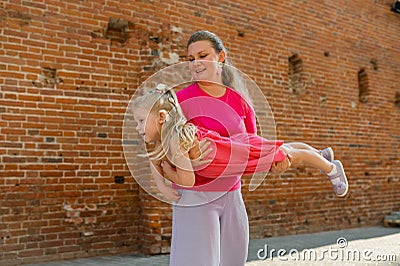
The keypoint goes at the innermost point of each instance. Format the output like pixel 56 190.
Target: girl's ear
pixel 162 116
pixel 221 56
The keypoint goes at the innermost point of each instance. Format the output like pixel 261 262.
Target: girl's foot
pixel 339 180
pixel 328 154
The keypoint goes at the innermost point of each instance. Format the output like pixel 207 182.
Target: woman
pixel 210 223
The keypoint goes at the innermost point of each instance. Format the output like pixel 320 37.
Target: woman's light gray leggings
pixel 215 233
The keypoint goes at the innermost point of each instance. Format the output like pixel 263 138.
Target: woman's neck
pixel 212 89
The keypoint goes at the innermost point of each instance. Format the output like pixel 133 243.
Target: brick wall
pixel 68 69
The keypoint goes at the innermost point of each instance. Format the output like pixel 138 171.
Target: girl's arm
pixel 183 174
pixel 164 188
pixel 157 174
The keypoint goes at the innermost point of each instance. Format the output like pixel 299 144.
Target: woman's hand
pixel 282 166
pixel 199 153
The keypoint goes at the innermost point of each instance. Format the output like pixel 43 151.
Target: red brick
pixel 14 47
pixel 31 253
pixel 90 98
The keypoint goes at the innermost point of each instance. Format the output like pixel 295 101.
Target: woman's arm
pixel 251 127
pixel 250 120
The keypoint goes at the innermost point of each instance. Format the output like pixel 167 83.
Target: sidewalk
pixel 360 246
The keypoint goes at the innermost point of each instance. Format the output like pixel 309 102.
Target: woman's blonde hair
pixel 175 130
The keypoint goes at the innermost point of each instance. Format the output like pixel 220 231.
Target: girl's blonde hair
pixel 175 130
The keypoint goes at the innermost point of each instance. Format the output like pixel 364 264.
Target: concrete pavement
pixel 360 246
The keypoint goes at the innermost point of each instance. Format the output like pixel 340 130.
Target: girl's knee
pixel 294 153
pixel 286 148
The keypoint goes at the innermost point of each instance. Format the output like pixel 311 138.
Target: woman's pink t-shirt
pixel 227 115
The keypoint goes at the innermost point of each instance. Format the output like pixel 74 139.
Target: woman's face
pixel 204 61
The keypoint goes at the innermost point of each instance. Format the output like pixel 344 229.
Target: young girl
pixel 160 121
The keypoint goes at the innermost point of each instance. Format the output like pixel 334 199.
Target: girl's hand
pixel 170 194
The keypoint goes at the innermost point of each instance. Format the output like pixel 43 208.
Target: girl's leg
pixel 304 154
pixel 234 231
pixel 303 146
pixel 327 153
pixel 313 158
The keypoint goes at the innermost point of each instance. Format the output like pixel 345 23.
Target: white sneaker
pixel 339 180
pixel 328 154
